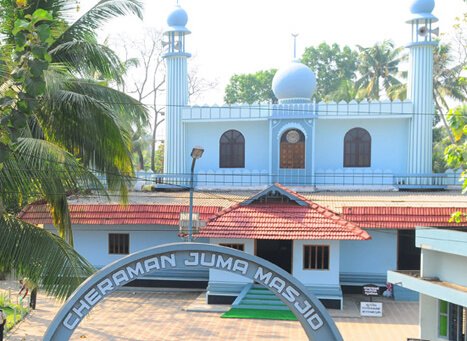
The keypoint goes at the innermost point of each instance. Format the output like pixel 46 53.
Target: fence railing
pixel 329 179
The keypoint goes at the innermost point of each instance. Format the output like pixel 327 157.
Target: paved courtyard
pixel 125 316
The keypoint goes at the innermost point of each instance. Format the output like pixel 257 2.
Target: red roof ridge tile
pixel 396 217
pixel 254 218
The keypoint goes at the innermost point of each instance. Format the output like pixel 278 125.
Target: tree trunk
pixel 446 125
pixel 140 158
pixel 153 146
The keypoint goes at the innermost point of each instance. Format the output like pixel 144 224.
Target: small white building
pixel 285 228
pixel 441 282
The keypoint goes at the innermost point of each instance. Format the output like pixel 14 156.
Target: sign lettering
pixel 374 309
pixel 314 318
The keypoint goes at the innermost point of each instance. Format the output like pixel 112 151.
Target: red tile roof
pixel 401 217
pixel 108 214
pixel 281 221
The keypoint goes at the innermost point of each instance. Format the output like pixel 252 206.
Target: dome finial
pixel 294 35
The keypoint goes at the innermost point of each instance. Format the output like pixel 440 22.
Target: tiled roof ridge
pixel 224 211
pixel 401 217
pixel 117 213
pixel 328 213
pixel 325 212
pixel 349 209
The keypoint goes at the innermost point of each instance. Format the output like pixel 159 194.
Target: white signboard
pixel 374 309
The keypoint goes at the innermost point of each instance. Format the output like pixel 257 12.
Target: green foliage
pixel 251 88
pixel 456 153
pixel 159 159
pixel 378 67
pixel 32 36
pixel 440 142
pixel 57 118
pixel 11 310
pixel 458 217
pixel 54 265
pixel 334 67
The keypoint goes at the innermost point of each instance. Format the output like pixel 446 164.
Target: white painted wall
pixel 429 318
pixel 316 277
pixel 224 276
pixel 447 267
pixel 376 256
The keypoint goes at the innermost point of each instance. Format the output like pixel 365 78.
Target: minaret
pixel 420 89
pixel 176 90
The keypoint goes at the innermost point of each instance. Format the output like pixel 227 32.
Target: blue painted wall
pixel 374 256
pixel 389 138
pixel 256 134
pixel 92 241
pixel 324 148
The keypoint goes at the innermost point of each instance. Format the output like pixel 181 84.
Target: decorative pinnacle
pixel 294 35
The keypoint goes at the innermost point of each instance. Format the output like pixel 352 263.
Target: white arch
pixel 291 125
pixel 314 318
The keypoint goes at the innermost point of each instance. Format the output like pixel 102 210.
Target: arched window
pixel 357 148
pixel 292 149
pixel 232 150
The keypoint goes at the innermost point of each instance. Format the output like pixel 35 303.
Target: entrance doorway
pixel 408 255
pixel 278 252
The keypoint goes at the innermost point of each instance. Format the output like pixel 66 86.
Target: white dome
pixel 422 6
pixel 177 18
pixel 295 80
pixel 421 9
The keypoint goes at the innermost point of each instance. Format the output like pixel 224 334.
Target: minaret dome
pixel 421 9
pixel 177 19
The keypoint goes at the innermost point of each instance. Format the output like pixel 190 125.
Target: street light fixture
pixel 196 153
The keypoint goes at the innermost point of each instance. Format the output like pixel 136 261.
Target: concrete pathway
pixel 126 316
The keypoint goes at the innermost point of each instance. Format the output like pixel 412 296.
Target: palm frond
pixel 78 119
pixel 88 58
pixel 55 266
pixel 98 15
pixel 54 173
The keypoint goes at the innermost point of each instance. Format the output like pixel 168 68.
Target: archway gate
pixel 314 318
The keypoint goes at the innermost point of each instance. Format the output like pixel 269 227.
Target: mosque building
pixel 327 191
pixel 297 142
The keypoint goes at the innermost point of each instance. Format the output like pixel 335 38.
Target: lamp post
pixel 196 153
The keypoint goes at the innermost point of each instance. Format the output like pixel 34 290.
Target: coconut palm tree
pixel 448 84
pixel 73 131
pixel 378 67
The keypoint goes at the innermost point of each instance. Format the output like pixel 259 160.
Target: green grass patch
pixel 14 312
pixel 10 315
pixel 259 314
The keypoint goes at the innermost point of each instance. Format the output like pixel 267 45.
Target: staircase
pixel 256 297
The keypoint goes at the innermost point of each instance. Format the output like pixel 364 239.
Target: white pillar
pixel 420 92
pixel 176 58
pixel 176 98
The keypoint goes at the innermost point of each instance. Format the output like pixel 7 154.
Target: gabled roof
pixel 297 219
pixel 115 214
pixel 402 217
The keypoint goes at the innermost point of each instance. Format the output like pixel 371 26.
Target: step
pixel 260 292
pixel 248 301
pixel 261 307
pixel 263 297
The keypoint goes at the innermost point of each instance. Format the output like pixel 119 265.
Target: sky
pixel 243 36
